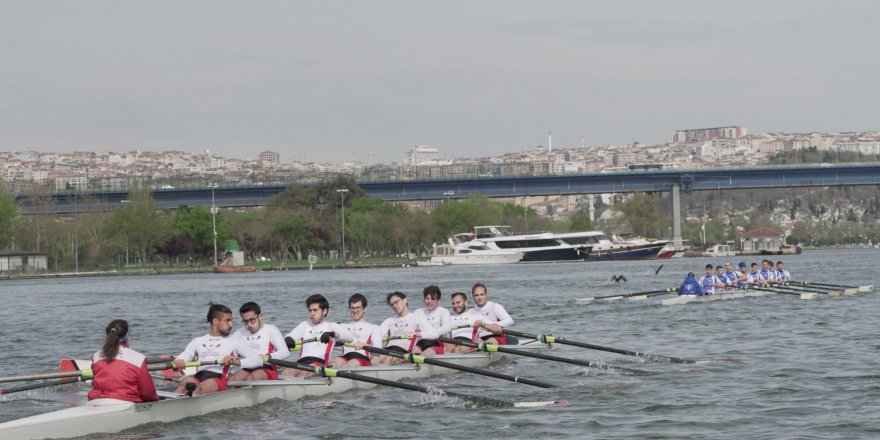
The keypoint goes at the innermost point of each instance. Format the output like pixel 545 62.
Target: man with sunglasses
pixel 266 339
pixel 403 329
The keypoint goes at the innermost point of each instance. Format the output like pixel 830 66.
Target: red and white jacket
pixel 124 378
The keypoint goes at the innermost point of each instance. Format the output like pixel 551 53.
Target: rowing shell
pixel 687 299
pixel 111 416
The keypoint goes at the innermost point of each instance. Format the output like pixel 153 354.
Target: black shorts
pixel 425 344
pixel 204 375
pixel 309 360
pixel 354 355
pixel 396 348
pixel 462 338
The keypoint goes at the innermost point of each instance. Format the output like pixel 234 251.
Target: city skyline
pixel 328 82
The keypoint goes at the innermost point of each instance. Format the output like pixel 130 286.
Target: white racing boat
pixel 111 416
pixel 687 299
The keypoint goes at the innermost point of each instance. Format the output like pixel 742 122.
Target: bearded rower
pixel 438 317
pixel 404 324
pixel 361 332
pixel 218 345
pixel 492 313
pixel 462 318
pixel 316 353
pixel 766 274
pixel 266 339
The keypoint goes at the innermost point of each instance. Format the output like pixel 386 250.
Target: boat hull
pixel 112 416
pixel 626 252
pixel 226 268
pixel 687 299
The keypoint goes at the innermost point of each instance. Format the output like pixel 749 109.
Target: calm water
pixel 804 369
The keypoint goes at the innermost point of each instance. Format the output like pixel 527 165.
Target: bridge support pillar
pixel 676 214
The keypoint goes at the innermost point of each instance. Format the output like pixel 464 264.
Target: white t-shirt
pixel 211 348
pixel 267 340
pixel 493 313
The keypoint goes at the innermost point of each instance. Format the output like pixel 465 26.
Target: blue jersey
pixel 707 282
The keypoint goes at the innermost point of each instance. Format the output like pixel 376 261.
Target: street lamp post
pixel 342 192
pixel 214 220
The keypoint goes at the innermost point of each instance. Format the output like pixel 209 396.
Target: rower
pixel 438 317
pixel 462 318
pixel 266 339
pixel 743 277
pixel 362 333
pixel 404 324
pixel 766 274
pixel 690 286
pixel 782 275
pixel 708 282
pixel 492 312
pixel 121 373
pixel 730 275
pixel 721 277
pixel 314 352
pixel 755 274
pixel 218 345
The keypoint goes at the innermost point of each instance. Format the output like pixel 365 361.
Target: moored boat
pixel 228 268
pixel 605 249
pixel 111 416
pixel 470 252
pixel 535 247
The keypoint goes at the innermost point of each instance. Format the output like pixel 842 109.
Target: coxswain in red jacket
pixel 120 372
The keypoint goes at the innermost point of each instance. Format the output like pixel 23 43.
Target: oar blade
pixel 540 404
pixel 868 288
pixel 808 295
pixel 638 298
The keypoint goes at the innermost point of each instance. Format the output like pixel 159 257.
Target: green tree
pixel 197 226
pixel 294 235
pixel 8 214
pixel 643 213
pixel 580 222
pixel 139 224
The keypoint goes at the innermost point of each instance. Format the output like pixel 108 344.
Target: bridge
pixel 673 181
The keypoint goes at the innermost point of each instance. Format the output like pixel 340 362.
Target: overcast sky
pixel 332 81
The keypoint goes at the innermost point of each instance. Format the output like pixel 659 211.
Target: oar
pixel 87 373
pixel 330 372
pixel 35 386
pixel 768 288
pixel 549 339
pixel 849 290
pixel 494 348
pixel 627 295
pixel 826 291
pixel 418 359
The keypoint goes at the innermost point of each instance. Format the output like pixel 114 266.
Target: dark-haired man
pixel 266 339
pixel 361 332
pixel 218 345
pixel 437 316
pixel 317 335
pixel 492 312
pixel 403 329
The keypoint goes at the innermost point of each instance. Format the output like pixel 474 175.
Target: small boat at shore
pixel 112 416
pixel 228 268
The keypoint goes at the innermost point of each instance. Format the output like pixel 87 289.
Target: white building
pixel 422 154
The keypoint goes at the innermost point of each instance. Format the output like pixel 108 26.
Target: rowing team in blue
pixel 720 279
pixel 244 355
